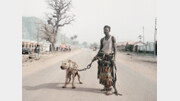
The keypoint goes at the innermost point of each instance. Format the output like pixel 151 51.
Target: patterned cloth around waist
pixel 105 75
pixel 105 71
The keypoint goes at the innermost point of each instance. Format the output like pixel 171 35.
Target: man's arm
pixel 114 46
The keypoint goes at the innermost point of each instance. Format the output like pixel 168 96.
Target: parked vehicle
pixel 26 51
pixel 64 47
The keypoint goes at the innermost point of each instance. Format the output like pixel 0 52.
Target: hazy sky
pixel 126 18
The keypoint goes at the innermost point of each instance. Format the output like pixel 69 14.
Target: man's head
pixel 107 29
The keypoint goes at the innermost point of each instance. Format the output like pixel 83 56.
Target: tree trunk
pixel 52 47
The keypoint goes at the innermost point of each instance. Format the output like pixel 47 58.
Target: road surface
pixel 46 84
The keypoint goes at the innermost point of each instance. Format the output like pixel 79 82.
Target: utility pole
pixel 143 34
pixel 155 33
pixel 144 41
pixel 140 37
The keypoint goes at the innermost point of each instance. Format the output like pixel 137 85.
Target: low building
pixel 144 47
pixel 44 46
pixel 139 46
pixel 150 46
pixel 121 46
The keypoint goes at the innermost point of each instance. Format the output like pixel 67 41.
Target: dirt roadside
pixel 45 60
pixel 144 65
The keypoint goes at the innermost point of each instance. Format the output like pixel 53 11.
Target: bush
pixel 129 47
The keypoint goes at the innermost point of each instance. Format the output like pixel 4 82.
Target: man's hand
pixel 95 57
pixel 114 61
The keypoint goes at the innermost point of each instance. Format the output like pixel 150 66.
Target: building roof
pixel 140 43
pixel 125 42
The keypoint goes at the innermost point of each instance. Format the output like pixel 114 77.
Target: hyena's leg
pixel 79 78
pixel 73 77
pixel 65 82
pixel 69 79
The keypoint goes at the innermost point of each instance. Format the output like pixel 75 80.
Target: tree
pixel 56 20
pixel 73 39
pixel 94 45
pixel 85 44
pixel 127 47
pixel 131 48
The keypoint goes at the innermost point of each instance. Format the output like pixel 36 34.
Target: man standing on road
pixel 37 50
pixel 105 71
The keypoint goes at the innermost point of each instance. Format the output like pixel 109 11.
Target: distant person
pixel 69 48
pixel 37 51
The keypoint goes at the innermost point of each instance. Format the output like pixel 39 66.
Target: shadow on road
pixel 58 86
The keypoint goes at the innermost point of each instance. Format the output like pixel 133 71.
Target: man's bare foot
pixel 109 92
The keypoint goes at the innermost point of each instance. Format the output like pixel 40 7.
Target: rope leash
pixel 89 66
pixel 84 69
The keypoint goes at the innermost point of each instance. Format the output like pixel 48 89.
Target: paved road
pixel 46 84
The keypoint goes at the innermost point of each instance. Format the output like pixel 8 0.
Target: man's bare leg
pixel 109 91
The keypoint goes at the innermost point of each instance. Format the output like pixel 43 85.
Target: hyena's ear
pixel 69 61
